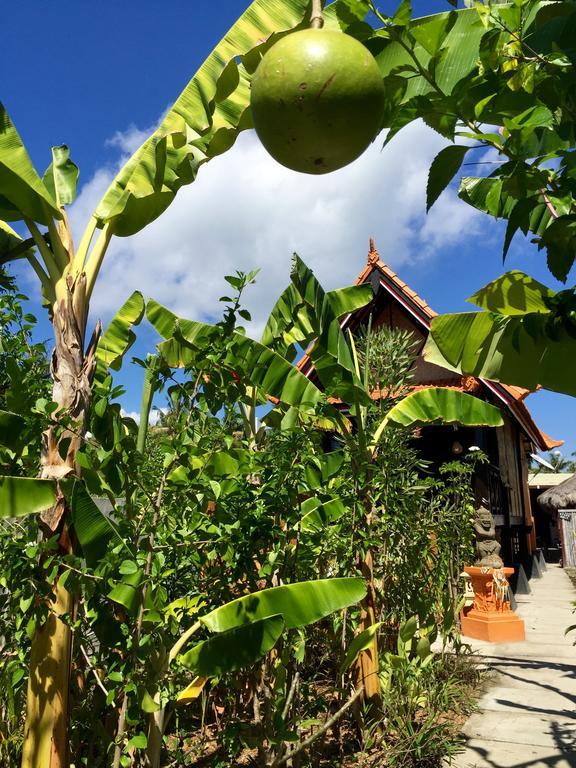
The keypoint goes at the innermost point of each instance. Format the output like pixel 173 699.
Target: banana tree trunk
pixel 367 662
pixel 155 738
pixel 47 707
pixel 46 730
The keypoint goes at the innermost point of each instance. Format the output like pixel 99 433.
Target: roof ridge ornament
pixel 373 255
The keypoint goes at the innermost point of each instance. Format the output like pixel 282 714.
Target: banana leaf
pixel 204 121
pixel 236 648
pixel 95 531
pixel 118 336
pixel 317 514
pixel 305 313
pixel 12 246
pixel 21 496
pixel 514 350
pixel 61 177
pixel 438 405
pixel 22 192
pixel 300 604
pixel 516 341
pixel 514 293
pixel 263 368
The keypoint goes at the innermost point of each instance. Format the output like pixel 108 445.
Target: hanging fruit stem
pixel 316 17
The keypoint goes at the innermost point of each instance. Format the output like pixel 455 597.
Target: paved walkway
pixel 527 717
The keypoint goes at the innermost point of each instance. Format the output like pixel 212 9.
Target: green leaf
pixel 12 246
pixel 461 39
pixel 350 12
pixel 438 405
pixel 305 313
pixel 119 336
pixel 128 568
pixel 22 193
pixel 444 167
pixel 513 293
pixel 317 515
pixel 423 649
pixel 560 242
pixel 349 299
pixel 61 177
pixel 205 120
pixel 487 195
pixel 402 14
pixel 300 604
pixel 21 496
pixel 11 426
pixel 139 741
pixel 127 592
pixel 96 533
pixel 408 629
pixel 432 35
pixel 360 643
pixel 148 704
pixel 234 649
pixel 148 390
pixel 514 350
pixel 263 368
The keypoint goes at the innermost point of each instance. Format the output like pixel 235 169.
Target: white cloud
pixel 129 140
pixel 153 419
pixel 135 415
pixel 245 211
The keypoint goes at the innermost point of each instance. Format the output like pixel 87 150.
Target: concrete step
pixel 564 683
pixel 530 650
pixel 526 728
pixel 480 753
pixel 529 699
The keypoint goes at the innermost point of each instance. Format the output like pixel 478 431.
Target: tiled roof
pixel 512 396
pixel 374 262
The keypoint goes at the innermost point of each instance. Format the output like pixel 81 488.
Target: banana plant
pixel 204 122
pixel 523 336
pixel 245 630
pixel 306 315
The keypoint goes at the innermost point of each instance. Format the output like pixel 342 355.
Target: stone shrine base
pixel 493 627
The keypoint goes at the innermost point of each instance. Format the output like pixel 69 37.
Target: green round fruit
pixel 317 100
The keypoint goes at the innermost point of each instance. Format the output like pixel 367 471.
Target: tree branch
pixel 94 671
pixel 321 731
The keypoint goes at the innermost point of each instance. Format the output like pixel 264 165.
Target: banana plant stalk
pixel 67 283
pixel 366 665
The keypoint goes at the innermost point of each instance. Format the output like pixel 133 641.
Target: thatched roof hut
pixel 562 496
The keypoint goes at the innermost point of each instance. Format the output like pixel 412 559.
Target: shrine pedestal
pixel 491 617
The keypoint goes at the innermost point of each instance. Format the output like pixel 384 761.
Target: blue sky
pixel 99 77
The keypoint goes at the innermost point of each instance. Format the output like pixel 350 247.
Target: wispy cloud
pixel 246 212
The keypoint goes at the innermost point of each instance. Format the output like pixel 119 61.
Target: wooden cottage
pixel 504 480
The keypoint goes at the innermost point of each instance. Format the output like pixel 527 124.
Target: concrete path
pixel 527 717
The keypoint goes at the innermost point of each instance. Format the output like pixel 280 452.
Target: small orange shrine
pixel 491 617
